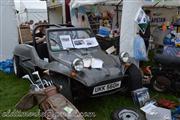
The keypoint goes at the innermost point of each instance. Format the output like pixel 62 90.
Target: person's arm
pixel 41 40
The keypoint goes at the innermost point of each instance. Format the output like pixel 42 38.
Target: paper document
pixel 79 43
pixel 156 113
pixel 96 63
pixel 87 62
pixel 91 42
pixel 66 41
pixel 85 43
pixel 149 109
pixel 111 50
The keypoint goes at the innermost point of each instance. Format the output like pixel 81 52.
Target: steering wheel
pixel 54 42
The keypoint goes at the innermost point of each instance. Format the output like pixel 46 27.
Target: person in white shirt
pixel 31 25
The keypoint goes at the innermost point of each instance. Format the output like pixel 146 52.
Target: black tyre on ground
pixel 125 113
pixel 18 70
pixel 160 83
pixel 135 77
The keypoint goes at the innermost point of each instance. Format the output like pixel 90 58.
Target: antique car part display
pixel 75 60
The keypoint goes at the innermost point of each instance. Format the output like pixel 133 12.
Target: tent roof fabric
pixel 78 3
pixel 21 5
pixel 155 3
pixel 161 3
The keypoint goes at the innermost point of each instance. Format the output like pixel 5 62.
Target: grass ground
pixel 12 89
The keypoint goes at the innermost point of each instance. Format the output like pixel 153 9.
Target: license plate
pixel 107 87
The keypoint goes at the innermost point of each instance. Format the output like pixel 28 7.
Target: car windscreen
pixel 71 39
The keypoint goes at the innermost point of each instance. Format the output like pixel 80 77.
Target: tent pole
pixel 19 30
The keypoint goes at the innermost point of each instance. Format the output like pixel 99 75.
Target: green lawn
pixel 12 89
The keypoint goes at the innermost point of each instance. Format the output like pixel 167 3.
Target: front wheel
pixel 135 77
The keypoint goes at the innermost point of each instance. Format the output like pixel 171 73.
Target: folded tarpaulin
pixel 6 66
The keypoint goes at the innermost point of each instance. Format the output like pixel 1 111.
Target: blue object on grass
pixel 7 66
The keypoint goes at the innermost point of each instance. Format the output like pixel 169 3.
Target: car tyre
pixel 64 85
pixel 160 83
pixel 127 114
pixel 18 70
pixel 135 77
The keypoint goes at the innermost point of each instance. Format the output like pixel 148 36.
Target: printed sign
pixel 66 41
pixel 85 43
pixel 142 20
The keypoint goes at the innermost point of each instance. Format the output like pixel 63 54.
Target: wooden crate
pixel 26 35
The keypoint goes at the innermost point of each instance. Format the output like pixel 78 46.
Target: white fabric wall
pixel 37 14
pixel 8 29
pixel 33 14
pixel 128 26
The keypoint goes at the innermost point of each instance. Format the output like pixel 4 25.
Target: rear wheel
pixel 135 77
pixel 18 70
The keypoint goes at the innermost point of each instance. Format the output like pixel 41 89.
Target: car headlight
pixel 78 64
pixel 124 57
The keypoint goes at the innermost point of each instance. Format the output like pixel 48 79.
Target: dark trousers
pixel 146 41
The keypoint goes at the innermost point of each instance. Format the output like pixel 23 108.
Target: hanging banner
pixel 142 20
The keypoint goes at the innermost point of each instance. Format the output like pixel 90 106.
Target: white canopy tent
pixel 128 26
pixel 33 14
pixel 31 10
pixel 162 3
pixel 78 3
pixel 155 3
pixel 8 29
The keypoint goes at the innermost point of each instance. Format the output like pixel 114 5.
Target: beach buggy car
pixel 76 62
